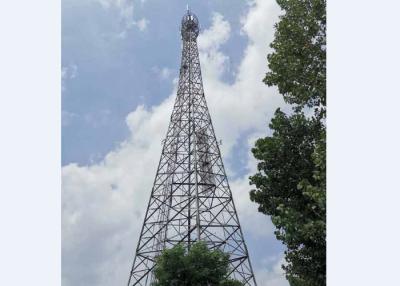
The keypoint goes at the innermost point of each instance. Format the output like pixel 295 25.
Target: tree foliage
pixel 197 267
pixel 298 63
pixel 291 178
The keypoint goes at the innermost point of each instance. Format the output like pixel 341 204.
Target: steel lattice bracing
pixel 191 199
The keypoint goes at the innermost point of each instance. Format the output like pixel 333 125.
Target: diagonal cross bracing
pixel 191 198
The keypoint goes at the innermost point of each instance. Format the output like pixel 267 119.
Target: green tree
pixel 291 181
pixel 199 266
pixel 298 63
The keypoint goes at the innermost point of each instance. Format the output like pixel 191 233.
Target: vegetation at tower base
pixel 291 178
pixel 199 266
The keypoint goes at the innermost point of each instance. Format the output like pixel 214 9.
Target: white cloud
pixel 70 71
pixel 125 7
pixel 213 38
pixel 142 24
pixel 126 12
pixel 67 73
pixel 273 276
pixel 97 119
pixel 103 203
pixel 164 73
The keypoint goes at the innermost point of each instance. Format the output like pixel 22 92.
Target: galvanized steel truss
pixel 191 199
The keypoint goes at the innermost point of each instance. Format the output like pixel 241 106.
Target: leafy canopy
pixel 291 178
pixel 298 63
pixel 291 189
pixel 199 266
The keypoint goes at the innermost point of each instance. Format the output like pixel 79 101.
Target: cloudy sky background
pixel 120 62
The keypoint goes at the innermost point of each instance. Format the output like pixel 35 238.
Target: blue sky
pixel 119 71
pixel 110 69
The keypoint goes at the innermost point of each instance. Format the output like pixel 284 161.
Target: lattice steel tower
pixel 191 199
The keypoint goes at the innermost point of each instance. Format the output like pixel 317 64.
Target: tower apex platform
pixel 190 26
